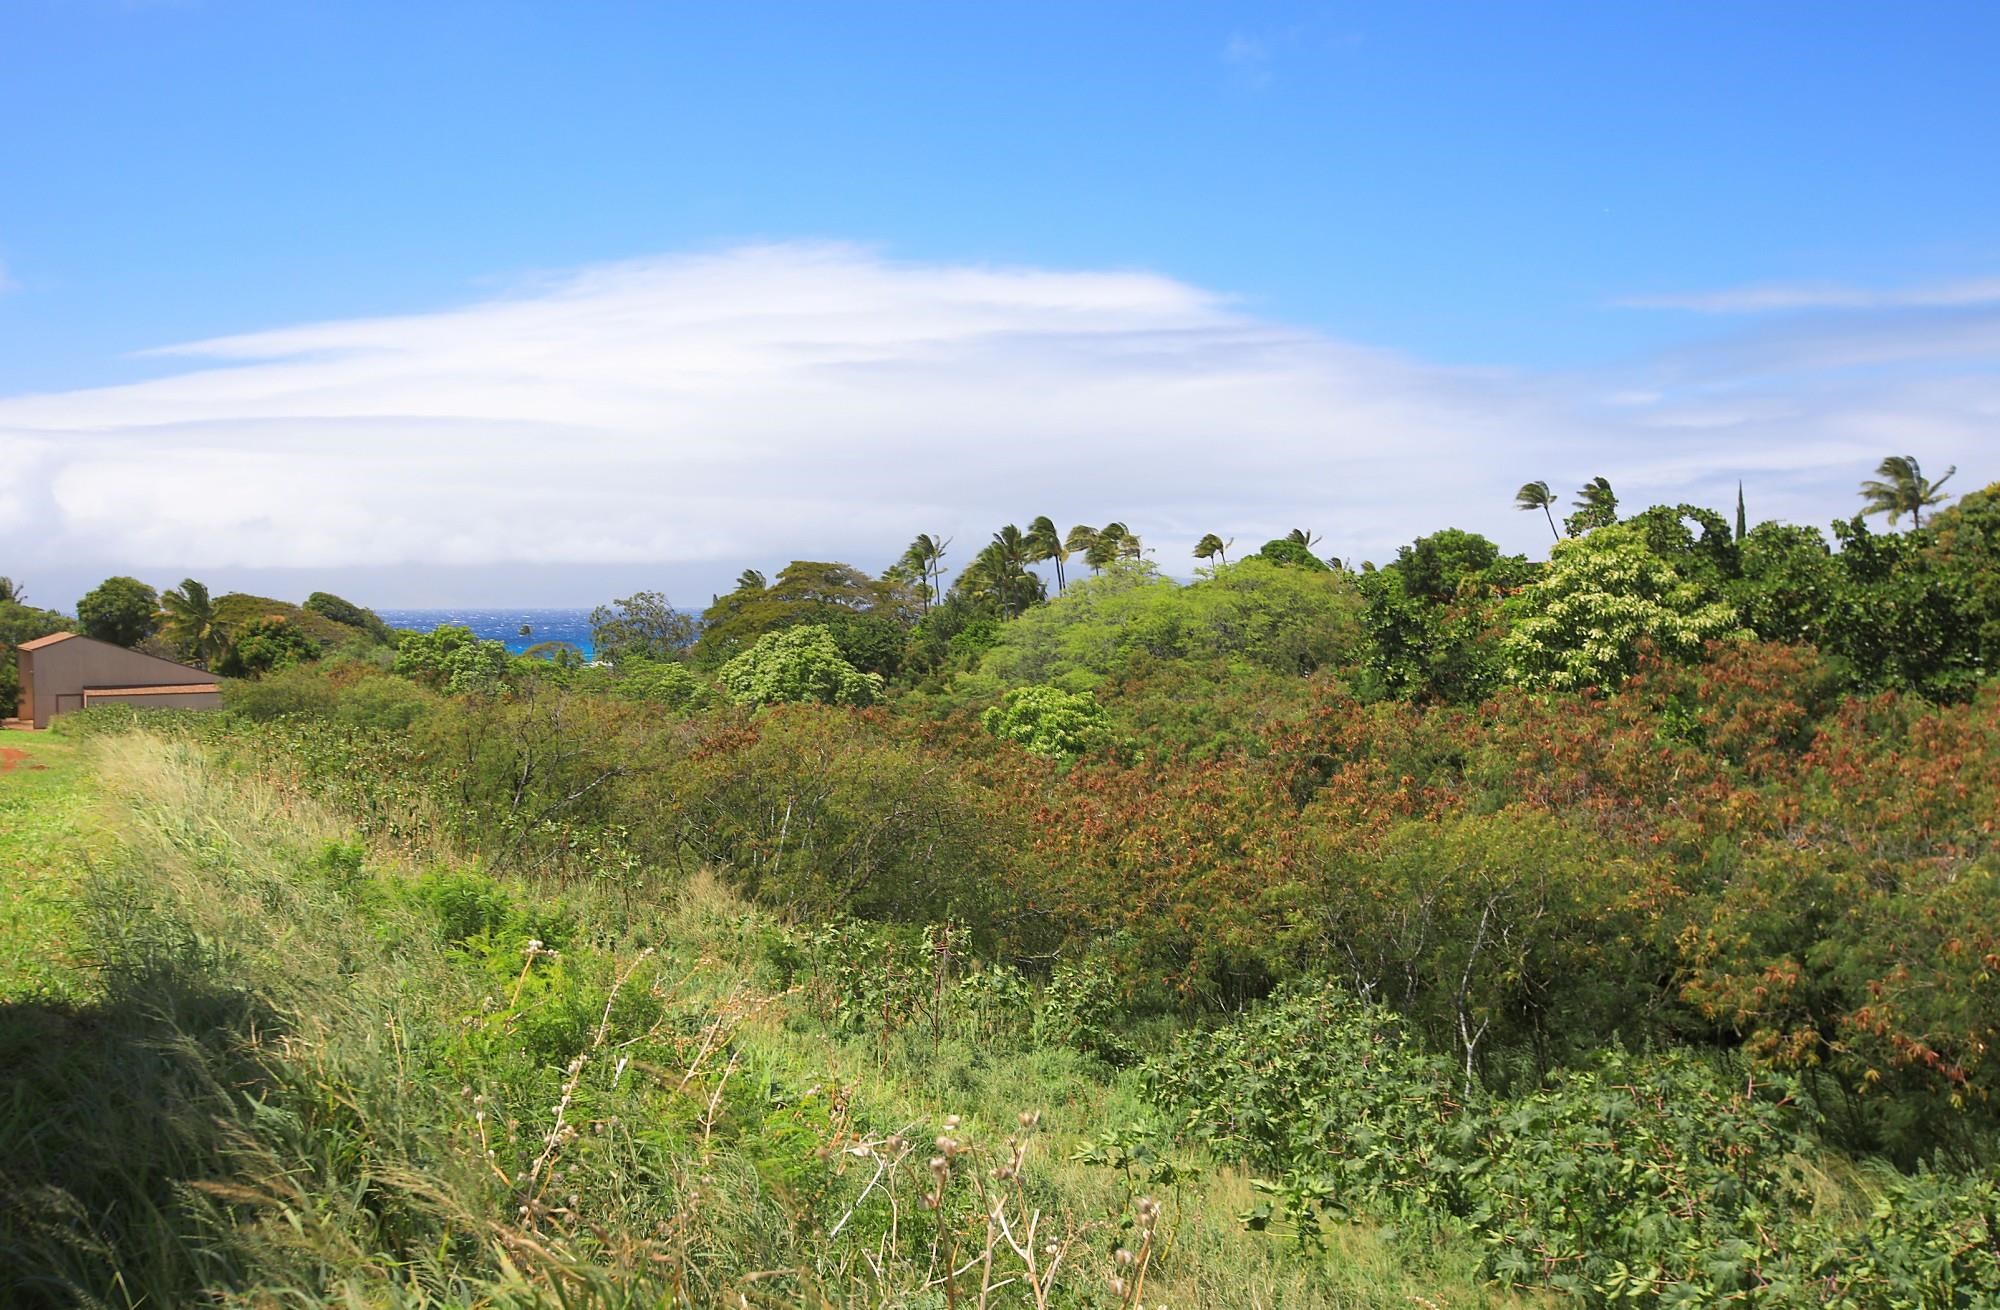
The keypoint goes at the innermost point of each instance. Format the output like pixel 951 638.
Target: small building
pixel 67 671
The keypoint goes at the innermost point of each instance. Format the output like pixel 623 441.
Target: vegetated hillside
pixel 303 1068
pixel 1620 929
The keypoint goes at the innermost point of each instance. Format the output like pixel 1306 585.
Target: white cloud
pixel 1781 296
pixel 1248 60
pixel 700 413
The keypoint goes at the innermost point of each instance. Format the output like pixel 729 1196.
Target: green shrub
pixel 1050 721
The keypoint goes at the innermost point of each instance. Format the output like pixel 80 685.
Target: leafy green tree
pixel 958 630
pixel 1965 549
pixel 346 612
pixel 870 617
pixel 1596 507
pixel 1789 585
pixel 1536 496
pixel 671 683
pixel 1050 721
pixel 1711 557
pixel 645 625
pixel 1603 596
pixel 19 623
pixel 1213 547
pixel 1437 565
pixel 123 611
pixel 801 663
pixel 1900 487
pixel 266 645
pixel 1252 613
pixel 191 623
pixel 1289 551
pixel 453 660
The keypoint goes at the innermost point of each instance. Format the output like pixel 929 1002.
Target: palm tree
pixel 191 623
pixel 1211 546
pixel 1597 494
pixel 1106 544
pixel 10 592
pixel 925 558
pixel 750 580
pixel 1596 507
pixel 1903 490
pixel 1536 496
pixel 1048 544
pixel 999 573
pixel 1305 538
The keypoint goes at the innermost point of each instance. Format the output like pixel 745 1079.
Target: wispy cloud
pixel 697 413
pixel 1248 60
pixel 1776 297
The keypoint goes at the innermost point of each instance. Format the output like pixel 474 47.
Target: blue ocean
pixel 572 626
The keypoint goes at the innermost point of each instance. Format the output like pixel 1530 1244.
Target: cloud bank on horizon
pixel 703 412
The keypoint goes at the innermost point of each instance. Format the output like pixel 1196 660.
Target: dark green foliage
pixel 19 623
pixel 1435 567
pixel 645 625
pixel 265 645
pixel 671 684
pixel 1424 649
pixel 346 612
pixel 953 632
pixel 452 660
pixel 123 611
pixel 1293 553
pixel 1636 1180
pixel 869 618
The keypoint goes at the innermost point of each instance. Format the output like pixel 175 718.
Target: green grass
pixel 302 1072
pixel 47 835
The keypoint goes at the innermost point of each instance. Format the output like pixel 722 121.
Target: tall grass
pixel 319 1073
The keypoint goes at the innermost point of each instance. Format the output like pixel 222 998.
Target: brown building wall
pixel 60 672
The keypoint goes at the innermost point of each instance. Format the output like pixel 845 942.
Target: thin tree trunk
pixel 1548 514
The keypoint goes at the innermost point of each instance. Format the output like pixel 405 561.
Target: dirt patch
pixel 12 757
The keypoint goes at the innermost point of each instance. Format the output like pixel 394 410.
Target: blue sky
pixel 1404 256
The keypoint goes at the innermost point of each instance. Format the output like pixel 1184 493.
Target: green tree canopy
pixel 452 659
pixel 1292 552
pixel 266 645
pixel 801 663
pixel 1435 566
pixel 644 624
pixel 868 617
pixel 1049 721
pixel 1602 597
pixel 346 612
pixel 121 610
pixel 19 623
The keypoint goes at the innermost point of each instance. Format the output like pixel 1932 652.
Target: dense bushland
pixel 1625 926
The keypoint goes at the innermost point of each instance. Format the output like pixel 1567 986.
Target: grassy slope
pixel 46 837
pixel 286 1085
